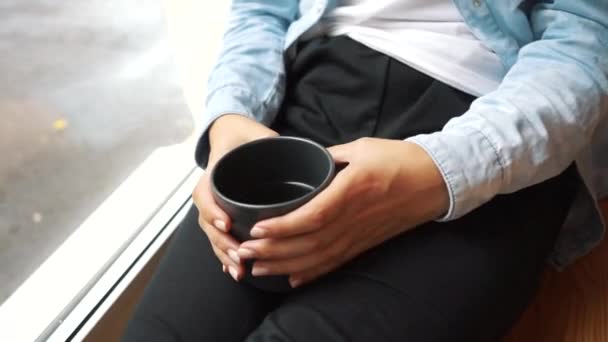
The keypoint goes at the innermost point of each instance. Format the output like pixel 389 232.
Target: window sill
pixel 76 279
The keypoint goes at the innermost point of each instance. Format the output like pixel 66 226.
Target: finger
pixel 295 265
pixel 207 207
pixel 299 279
pixel 312 216
pixel 224 259
pixel 341 153
pixel 219 239
pixel 276 248
pixel 289 247
pixel 236 271
pixel 348 253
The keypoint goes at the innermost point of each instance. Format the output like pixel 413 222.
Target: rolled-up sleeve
pixel 249 75
pixel 542 115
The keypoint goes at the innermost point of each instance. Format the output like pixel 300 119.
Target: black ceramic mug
pixel 267 178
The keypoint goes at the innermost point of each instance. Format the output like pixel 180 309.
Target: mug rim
pixel 323 185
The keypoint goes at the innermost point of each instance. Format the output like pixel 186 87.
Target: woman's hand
pixel 388 187
pixel 226 133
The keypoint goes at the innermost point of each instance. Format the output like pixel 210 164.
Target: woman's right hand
pixel 226 133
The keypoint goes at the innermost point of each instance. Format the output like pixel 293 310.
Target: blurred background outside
pixel 88 90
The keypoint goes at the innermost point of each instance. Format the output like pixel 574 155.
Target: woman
pixel 468 127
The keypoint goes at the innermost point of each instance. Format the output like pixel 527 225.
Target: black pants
pixel 466 280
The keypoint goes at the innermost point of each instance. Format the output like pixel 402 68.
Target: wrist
pixel 220 126
pixel 232 130
pixel 433 188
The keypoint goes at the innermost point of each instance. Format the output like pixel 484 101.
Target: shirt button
pixel 477 3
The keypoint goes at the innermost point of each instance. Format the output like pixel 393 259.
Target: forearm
pixel 534 125
pixel 249 73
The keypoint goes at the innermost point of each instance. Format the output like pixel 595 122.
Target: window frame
pixel 96 261
pixel 74 287
pixel 127 266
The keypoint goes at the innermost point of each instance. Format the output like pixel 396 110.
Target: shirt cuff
pixel 223 101
pixel 469 165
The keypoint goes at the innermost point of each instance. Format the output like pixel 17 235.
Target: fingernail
pixel 219 224
pixel 246 253
pixel 295 282
pixel 233 273
pixel 257 232
pixel 259 270
pixel 235 257
pixel 224 268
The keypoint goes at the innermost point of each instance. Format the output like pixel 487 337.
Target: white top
pixel 428 35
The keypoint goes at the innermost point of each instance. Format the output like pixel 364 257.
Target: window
pixel 98 105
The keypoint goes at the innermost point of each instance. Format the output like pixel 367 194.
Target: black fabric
pixel 465 280
pixel 339 90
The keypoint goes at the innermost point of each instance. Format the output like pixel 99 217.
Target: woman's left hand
pixel 388 187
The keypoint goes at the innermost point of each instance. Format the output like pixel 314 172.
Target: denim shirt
pixel 550 109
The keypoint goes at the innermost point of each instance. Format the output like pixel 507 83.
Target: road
pixel 88 89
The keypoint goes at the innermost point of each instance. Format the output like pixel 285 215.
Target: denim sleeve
pixel 249 76
pixel 544 112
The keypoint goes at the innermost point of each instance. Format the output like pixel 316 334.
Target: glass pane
pixel 88 90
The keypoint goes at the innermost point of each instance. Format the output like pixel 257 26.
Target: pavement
pixel 88 90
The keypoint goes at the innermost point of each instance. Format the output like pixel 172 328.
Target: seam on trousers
pixel 382 99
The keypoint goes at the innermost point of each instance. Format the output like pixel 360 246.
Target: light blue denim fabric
pixel 550 109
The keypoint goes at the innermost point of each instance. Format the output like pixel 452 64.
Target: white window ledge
pixel 74 279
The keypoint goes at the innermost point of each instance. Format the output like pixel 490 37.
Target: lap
pixel 467 280
pixel 189 298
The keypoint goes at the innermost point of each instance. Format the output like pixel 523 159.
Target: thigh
pixel 191 299
pixel 466 280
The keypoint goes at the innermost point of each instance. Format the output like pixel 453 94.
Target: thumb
pixel 340 153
